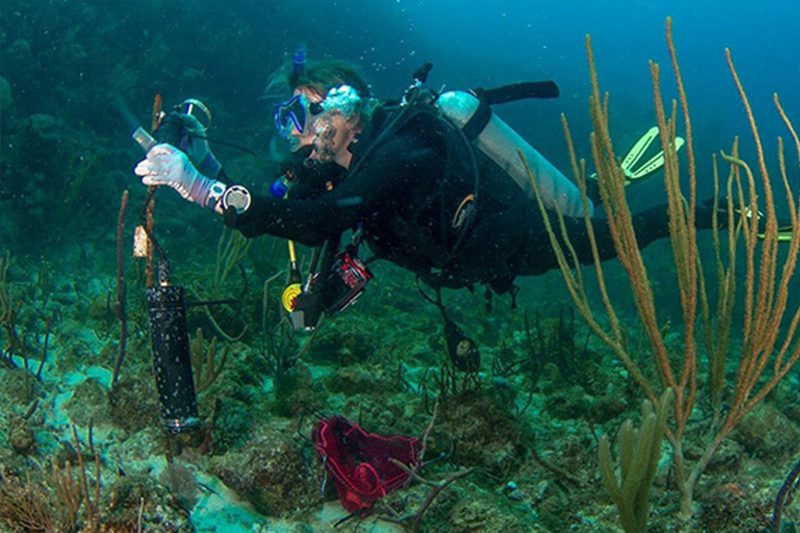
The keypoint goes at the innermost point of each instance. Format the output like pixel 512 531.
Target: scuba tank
pixel 496 139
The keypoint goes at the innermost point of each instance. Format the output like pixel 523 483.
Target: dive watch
pixel 236 197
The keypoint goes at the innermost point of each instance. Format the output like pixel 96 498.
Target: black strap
pixel 518 91
pixel 501 95
pixel 477 121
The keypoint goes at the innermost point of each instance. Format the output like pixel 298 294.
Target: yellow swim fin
pixel 637 152
pixel 785 232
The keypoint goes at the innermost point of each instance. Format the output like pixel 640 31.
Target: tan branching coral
pixel 770 346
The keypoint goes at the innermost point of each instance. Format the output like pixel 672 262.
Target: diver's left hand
pixel 166 165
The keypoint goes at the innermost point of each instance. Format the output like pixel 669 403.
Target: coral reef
pixel 80 453
pixel 271 470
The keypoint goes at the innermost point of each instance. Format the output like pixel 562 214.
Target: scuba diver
pixel 431 182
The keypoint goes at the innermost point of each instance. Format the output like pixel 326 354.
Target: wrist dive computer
pixel 236 197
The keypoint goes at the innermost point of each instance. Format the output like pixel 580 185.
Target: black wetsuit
pixel 395 196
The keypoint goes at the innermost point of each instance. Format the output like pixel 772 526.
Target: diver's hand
pixel 166 165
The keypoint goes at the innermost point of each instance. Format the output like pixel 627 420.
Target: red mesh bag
pixel 359 461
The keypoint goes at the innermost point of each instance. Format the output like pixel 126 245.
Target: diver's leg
pixel 516 242
pixel 536 255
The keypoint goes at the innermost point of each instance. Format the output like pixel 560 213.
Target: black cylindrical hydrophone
pixel 171 358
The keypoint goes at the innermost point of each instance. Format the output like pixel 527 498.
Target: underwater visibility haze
pixel 160 371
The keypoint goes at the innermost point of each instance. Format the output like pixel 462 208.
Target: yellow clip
pixel 289 296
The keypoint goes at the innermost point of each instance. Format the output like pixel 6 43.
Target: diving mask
pixel 293 115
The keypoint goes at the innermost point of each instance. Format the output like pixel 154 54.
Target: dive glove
pixel 166 165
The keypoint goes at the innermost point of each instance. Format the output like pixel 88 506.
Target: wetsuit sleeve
pixel 379 182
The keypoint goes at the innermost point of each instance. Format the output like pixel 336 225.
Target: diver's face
pixel 328 132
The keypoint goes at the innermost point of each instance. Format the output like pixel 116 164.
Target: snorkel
pixel 291 115
pixel 298 63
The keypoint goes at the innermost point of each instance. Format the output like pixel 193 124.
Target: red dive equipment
pixel 331 289
pixel 346 281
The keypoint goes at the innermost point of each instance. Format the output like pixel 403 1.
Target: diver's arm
pixel 381 180
pixel 309 222
pixel 167 165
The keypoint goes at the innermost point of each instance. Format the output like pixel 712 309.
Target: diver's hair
pixel 319 76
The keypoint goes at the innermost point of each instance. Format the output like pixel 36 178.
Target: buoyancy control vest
pixel 409 237
pixel 468 116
